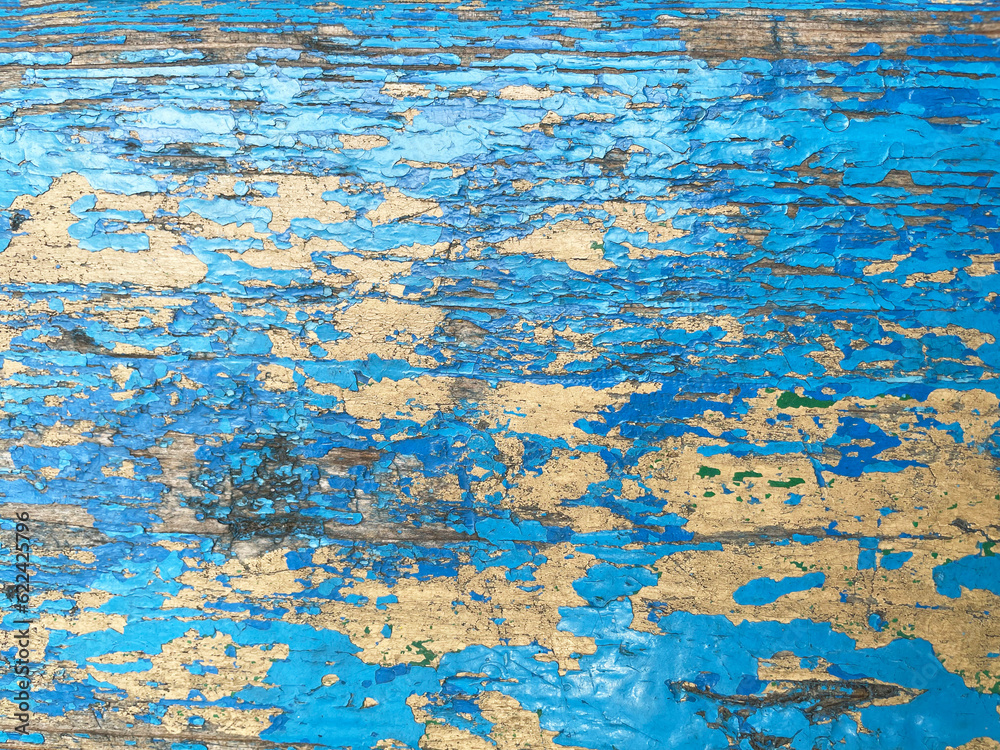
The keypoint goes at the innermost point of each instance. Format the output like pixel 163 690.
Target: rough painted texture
pixel 492 375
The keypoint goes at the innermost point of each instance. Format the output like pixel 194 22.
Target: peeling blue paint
pixel 782 326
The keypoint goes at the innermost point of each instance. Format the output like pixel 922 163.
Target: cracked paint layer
pixel 617 377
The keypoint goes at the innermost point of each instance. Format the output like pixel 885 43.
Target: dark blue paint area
pixel 766 590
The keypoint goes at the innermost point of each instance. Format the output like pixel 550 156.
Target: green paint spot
pixel 707 471
pixel 741 475
pixel 788 399
pixel 709 494
pixel 789 483
pixel 425 652
pixel 988 549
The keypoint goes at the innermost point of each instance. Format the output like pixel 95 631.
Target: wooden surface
pixel 618 376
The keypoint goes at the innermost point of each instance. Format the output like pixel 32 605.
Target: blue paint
pixel 972 572
pixel 808 199
pixel 767 590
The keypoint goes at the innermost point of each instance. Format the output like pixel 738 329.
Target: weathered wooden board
pixel 500 375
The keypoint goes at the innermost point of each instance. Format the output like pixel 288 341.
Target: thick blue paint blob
pixel 973 572
pixel 766 590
